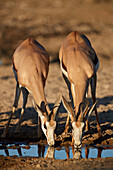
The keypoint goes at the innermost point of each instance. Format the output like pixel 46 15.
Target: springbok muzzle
pixel 51 143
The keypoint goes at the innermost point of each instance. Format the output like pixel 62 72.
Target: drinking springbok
pixel 79 64
pixel 30 66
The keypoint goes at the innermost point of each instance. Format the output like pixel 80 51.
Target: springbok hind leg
pixel 93 92
pixel 69 87
pixel 17 95
pixel 71 98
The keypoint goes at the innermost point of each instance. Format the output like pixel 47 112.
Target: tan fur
pixel 79 64
pixel 31 66
pixel 31 62
pixel 75 55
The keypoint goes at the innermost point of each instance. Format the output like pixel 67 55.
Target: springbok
pixel 31 66
pixel 79 63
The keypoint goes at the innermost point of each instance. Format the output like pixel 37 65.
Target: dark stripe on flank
pixel 14 65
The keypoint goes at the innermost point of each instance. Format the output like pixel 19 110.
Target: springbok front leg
pixel 69 87
pixel 93 93
pixel 15 105
pixel 25 96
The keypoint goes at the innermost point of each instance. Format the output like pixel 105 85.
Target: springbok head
pixel 48 120
pixel 78 121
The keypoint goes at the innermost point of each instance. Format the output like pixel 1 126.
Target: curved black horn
pixel 56 107
pixel 83 114
pixel 92 108
pixel 55 112
pixel 47 114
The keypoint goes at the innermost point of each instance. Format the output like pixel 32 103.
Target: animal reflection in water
pixel 50 153
pixel 6 149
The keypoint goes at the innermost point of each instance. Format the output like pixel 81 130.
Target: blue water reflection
pixel 39 150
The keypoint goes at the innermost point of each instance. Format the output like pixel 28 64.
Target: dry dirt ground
pixel 49 22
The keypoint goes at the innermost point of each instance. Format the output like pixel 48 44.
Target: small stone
pixel 38 166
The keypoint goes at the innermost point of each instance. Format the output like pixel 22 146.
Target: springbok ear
pixel 38 109
pixel 56 107
pixel 91 109
pixel 68 107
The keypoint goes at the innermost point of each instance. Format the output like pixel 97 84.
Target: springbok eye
pixel 45 126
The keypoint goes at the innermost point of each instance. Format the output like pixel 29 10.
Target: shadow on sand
pixel 30 123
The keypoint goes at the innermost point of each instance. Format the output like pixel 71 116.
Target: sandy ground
pixel 49 22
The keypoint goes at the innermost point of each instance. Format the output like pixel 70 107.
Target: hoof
pixel 3 135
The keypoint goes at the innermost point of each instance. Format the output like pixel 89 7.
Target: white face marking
pixel 77 134
pixel 42 123
pixel 48 131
